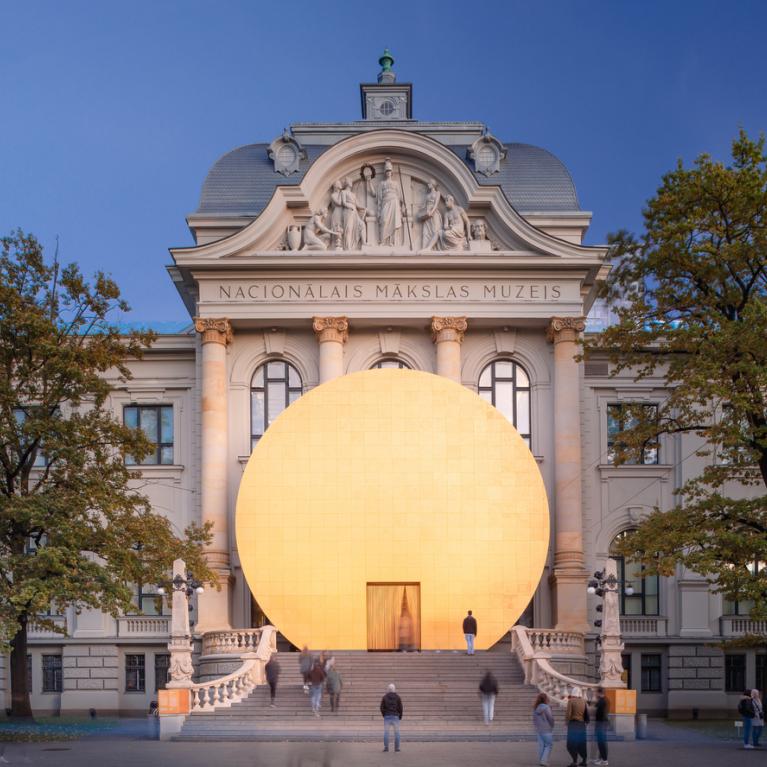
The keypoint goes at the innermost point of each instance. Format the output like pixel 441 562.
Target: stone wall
pixel 90 678
pixel 695 668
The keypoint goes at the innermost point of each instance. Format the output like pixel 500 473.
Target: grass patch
pixel 49 728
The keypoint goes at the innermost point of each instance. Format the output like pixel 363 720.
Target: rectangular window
pixel 52 673
pixel 620 418
pixel 147 601
pixel 21 416
pixel 644 599
pixel 651 673
pixel 156 421
pixel 734 673
pixel 161 670
pixel 742 606
pixel 626 661
pixel 135 673
pixel 761 674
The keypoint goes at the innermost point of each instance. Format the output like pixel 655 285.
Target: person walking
pixel 543 722
pixel 391 711
pixel 333 685
pixel 488 689
pixel 470 632
pixel 305 663
pixel 577 717
pixel 316 679
pixel 746 711
pixel 758 721
pixel 600 726
pixel 272 670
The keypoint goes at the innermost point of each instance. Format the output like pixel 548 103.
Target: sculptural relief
pixel 336 206
pixel 478 230
pixel 316 234
pixel 353 222
pixel 455 234
pixel 389 206
pixel 430 217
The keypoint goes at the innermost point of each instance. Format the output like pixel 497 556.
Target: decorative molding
pixel 565 328
pixel 389 341
pixel 274 341
pixel 505 340
pixel 486 153
pixel 448 329
pixel 331 329
pixel 286 154
pixel 217 331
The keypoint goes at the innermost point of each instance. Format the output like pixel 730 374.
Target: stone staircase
pixel 438 689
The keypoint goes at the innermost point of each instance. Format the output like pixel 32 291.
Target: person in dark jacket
pixel 391 711
pixel 470 632
pixel 577 717
pixel 305 663
pixel 272 670
pixel 746 711
pixel 600 725
pixel 488 689
pixel 333 685
pixel 316 679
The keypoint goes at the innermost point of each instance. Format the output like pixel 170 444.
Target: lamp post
pixel 605 584
pixel 183 586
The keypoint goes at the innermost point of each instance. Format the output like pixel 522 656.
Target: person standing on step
pixel 600 725
pixel 305 663
pixel 746 711
pixel 488 689
pixel 391 711
pixel 333 685
pixel 470 632
pixel 577 717
pixel 758 721
pixel 316 680
pixel 272 670
pixel 543 721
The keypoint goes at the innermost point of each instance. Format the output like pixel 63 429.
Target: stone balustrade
pixel 643 625
pixel 36 631
pixel 143 625
pixel 231 642
pixel 539 672
pixel 556 642
pixel 737 626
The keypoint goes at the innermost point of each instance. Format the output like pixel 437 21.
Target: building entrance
pixel 394 616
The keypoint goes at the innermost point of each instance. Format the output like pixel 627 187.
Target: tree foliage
pixel 73 528
pixel 691 298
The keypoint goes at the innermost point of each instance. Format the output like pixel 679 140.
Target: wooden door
pixel 394 616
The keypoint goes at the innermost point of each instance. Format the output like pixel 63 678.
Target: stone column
pixel 569 576
pixel 332 334
pixel 447 334
pixel 213 606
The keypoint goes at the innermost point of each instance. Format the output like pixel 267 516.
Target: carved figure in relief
pixel 353 223
pixel 478 230
pixel 336 206
pixel 456 230
pixel 389 206
pixel 431 217
pixel 316 233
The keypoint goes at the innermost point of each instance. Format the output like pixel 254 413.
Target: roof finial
pixel 386 75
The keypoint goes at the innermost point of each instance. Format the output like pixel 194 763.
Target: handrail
pixel 231 642
pixel 539 671
pixel 232 688
pixel 559 642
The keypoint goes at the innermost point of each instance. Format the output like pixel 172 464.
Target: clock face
pixel 391 479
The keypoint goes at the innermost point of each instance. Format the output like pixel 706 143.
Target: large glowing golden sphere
pixel 381 506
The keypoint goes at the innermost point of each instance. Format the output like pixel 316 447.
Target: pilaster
pixel 332 333
pixel 447 334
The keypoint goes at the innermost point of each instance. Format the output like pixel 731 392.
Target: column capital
pixel 448 328
pixel 564 328
pixel 214 330
pixel 331 329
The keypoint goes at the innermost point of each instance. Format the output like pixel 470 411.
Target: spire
pixel 386 75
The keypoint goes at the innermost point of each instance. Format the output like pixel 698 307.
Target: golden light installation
pixel 384 478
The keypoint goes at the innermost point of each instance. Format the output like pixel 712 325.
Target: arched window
pixel 644 599
pixel 506 385
pixel 274 386
pixel 390 362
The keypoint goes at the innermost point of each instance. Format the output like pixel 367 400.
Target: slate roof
pixel 242 181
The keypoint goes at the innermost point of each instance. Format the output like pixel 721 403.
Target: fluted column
pixel 213 606
pixel 569 577
pixel 332 334
pixel 447 334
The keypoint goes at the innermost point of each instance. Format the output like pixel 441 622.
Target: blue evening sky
pixel 112 113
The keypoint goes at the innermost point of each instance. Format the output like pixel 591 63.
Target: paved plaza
pixel 677 746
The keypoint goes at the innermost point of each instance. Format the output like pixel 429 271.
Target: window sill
pixel 158 471
pixel 608 470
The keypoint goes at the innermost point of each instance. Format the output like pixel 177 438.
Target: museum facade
pixel 392 242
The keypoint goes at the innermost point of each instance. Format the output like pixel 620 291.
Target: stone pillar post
pixel 180 644
pixel 447 334
pixel 213 606
pixel 332 334
pixel 569 576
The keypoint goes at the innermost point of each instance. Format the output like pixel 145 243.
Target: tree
pixel 72 530
pixel 690 294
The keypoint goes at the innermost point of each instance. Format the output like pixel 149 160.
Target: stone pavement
pixel 671 746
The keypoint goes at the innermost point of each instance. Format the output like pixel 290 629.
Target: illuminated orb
pixel 391 477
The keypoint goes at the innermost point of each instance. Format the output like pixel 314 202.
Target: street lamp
pixel 189 586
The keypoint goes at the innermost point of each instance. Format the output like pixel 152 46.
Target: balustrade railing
pixel 539 672
pixel 735 626
pixel 143 625
pixel 556 642
pixel 232 688
pixel 643 625
pixel 232 642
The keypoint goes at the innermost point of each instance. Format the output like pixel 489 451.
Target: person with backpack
pixel 305 663
pixel 758 721
pixel 746 711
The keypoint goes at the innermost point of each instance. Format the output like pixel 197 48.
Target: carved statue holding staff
pixel 389 208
